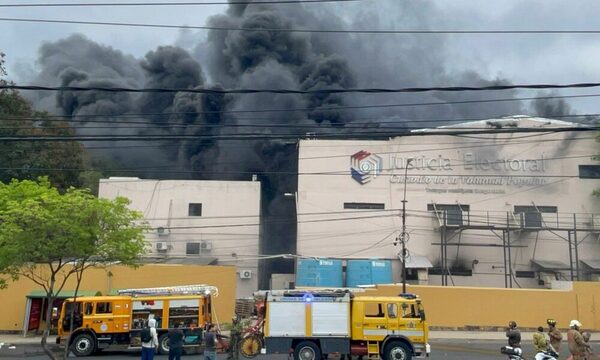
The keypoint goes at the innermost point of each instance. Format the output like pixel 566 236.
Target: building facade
pixel 490 208
pixel 198 222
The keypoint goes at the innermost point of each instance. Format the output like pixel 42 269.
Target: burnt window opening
pixel 589 171
pixel 364 206
pixel 195 209
pixel 525 274
pixel 192 248
pixel 531 216
pixel 453 213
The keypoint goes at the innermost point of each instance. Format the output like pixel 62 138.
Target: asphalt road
pixel 441 350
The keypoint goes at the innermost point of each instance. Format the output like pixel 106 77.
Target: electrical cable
pixel 303 92
pixel 261 136
pixel 230 2
pixel 337 108
pixel 371 123
pixel 310 31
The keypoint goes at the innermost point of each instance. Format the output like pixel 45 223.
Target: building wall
pixel 531 169
pixel 227 230
pixel 470 307
pixel 13 298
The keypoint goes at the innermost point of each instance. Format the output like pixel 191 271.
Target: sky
pixel 561 58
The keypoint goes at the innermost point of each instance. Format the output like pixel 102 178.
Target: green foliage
pixel 29 159
pixel 47 236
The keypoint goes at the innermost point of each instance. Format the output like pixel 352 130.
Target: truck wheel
pixel 83 345
pixel 307 350
pixel 163 344
pixel 397 351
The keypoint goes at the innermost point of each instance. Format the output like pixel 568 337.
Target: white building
pixel 467 197
pixel 198 222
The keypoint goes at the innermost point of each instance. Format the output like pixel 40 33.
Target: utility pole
pixel 403 238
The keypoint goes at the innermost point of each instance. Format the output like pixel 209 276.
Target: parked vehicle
pixel 312 324
pixel 514 353
pixel 100 322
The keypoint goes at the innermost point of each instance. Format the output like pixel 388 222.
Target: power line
pixel 355 123
pixel 338 108
pixel 261 136
pixel 303 92
pixel 319 31
pixel 231 2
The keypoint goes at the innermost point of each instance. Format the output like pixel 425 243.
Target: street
pixel 441 349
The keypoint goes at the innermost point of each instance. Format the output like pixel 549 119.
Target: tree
pixel 48 236
pixel 62 161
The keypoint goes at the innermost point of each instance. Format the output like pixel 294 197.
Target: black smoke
pixel 268 60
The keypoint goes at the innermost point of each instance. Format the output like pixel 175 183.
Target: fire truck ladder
pixel 173 290
pixel 373 350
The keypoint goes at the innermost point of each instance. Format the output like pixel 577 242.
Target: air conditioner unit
pixel 161 246
pixel 206 246
pixel 547 279
pixel 245 274
pixel 162 230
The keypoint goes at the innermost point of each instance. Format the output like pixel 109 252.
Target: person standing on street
pixel 176 338
pixel 577 345
pixel 539 340
pixel 554 335
pixel 149 343
pixel 513 334
pixel 234 339
pixel 210 342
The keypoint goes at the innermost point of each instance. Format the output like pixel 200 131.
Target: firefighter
pixel 554 335
pixel 234 339
pixel 577 345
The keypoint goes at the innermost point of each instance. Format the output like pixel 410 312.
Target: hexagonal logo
pixel 365 166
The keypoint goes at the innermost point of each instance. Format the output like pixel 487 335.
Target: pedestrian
pixel 234 339
pixel 176 338
pixel 149 340
pixel 554 335
pixel 210 343
pixel 539 340
pixel 513 334
pixel 577 345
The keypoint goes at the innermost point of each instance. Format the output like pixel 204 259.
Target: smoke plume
pixel 268 60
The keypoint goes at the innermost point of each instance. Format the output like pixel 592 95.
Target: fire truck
pixel 312 324
pixel 99 322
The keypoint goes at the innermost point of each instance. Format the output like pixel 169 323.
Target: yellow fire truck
pixel 100 322
pixel 312 324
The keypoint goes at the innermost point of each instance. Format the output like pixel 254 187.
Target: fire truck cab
pixel 99 322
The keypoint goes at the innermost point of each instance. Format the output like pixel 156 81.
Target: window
pixel 392 311
pixel 589 171
pixel 373 309
pixel 104 308
pixel 525 274
pixel 364 206
pixel 89 308
pixel 192 248
pixel 409 311
pixel 194 209
pixel 451 213
pixel 531 216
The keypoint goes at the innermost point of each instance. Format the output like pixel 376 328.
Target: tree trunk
pixel 49 301
pixel 79 275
